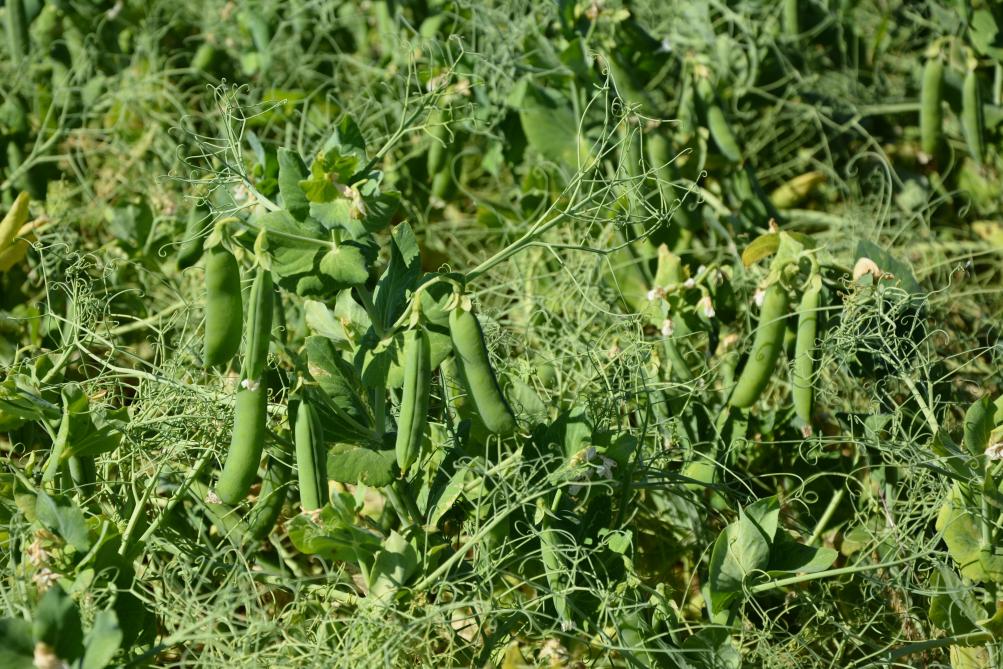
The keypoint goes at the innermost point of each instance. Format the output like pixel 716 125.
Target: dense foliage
pixel 504 333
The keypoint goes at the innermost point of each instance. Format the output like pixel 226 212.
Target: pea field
pixel 498 333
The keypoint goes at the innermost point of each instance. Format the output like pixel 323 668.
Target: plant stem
pixel 826 516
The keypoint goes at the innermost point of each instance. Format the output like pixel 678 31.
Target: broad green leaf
pixel 19 405
pixel 333 535
pixel 293 245
pixel 787 556
pixel 17 648
pixel 395 564
pixel 61 516
pixel 322 322
pixel 292 170
pixel 712 648
pixel 959 524
pixel 970 657
pixel 888 263
pixel 346 265
pixel 80 433
pixel 102 641
pixel 551 127
pixel 953 607
pixel 979 422
pixel 336 377
pixel 348 463
pixel 57 623
pixel 742 548
pixel 400 277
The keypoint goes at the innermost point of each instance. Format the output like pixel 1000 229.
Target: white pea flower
pixel 605 470
pixel 707 306
pixel 44 578
pixel 250 384
pixel 656 293
pixel 701 269
pixel 45 657
pixel 690 282
pixel 667 327
pixel 665 46
pixel 567 626
pixel 995 451
pixel 759 296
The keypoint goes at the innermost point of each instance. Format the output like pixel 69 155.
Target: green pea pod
pixel 931 113
pixel 17 30
pixel 259 325
pixel 83 473
pixel 414 401
pixel 804 352
pixel 191 248
pixel 554 568
pixel 792 21
pixel 972 121
pixel 274 490
pixel 224 312
pixel 246 444
pixel 717 123
pixel 475 369
pixel 311 458
pixel 766 347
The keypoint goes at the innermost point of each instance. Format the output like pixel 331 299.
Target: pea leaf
pixel 292 244
pixel 333 535
pixel 337 378
pixel 551 126
pixel 787 556
pixel 102 641
pixel 958 523
pixel 979 422
pixel 81 435
pixel 741 549
pixel 17 648
pixel 291 172
pixel 760 247
pixel 61 516
pixel 953 607
pixel 346 265
pixel 349 463
pixel 57 623
pixel 400 277
pixel 395 564
pixel 19 404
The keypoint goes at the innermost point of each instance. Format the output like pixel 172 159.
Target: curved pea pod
pixel 475 369
pixel 762 360
pixel 259 325
pixel 793 192
pixel 274 490
pixel 717 123
pixel 413 416
pixel 804 352
pixel 224 312
pixel 554 568
pixel 972 120
pixel 246 444
pixel 191 248
pixel 311 458
pixel 931 113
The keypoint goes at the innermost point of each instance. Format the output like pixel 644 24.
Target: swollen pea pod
pixel 972 120
pixel 224 312
pixel 246 444
pixel 249 421
pixel 414 401
pixel 191 248
pixel 311 458
pixel 717 123
pixel 475 369
pixel 804 352
pixel 274 490
pixel 931 113
pixel 766 347
pixel 259 325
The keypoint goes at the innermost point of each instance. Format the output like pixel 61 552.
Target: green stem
pixel 802 578
pixel 826 516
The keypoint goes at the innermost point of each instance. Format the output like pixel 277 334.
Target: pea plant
pixel 501 334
